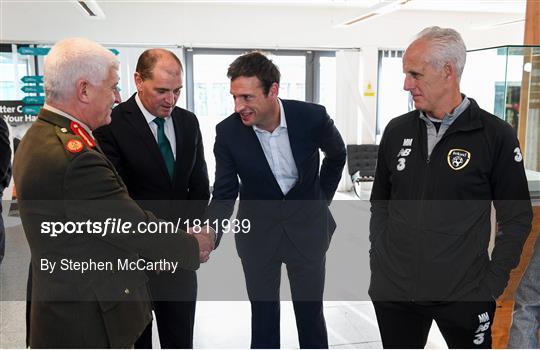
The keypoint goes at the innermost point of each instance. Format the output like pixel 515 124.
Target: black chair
pixel 362 160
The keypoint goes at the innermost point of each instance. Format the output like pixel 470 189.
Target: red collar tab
pixel 79 130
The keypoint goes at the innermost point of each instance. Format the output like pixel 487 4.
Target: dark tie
pixel 164 146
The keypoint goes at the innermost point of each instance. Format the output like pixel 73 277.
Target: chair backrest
pixel 362 159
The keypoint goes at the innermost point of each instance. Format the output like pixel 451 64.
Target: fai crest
pixel 458 158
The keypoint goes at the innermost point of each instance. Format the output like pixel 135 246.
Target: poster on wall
pixel 15 113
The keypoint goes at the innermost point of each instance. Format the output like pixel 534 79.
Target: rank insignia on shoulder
pixel 78 130
pixel 74 146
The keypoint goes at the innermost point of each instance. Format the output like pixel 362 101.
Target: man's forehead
pixel 247 82
pixel 422 44
pixel 160 73
pixel 168 65
pixel 419 46
pixel 415 57
pixel 236 89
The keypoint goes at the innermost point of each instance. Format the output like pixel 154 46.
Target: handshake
pixel 206 237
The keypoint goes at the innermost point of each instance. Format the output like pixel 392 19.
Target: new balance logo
pixel 407 142
pixel 483 327
pixel 404 152
pixel 483 317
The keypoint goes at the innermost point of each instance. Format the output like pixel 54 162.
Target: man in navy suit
pixel 158 151
pixel 268 152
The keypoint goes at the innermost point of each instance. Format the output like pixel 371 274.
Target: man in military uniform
pixel 62 177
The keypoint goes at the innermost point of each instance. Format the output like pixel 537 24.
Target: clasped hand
pixel 206 238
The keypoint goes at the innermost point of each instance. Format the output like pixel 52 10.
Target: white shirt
pixel 169 125
pixel 70 117
pixel 277 149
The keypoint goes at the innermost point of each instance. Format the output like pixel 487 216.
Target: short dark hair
pixel 255 64
pixel 148 59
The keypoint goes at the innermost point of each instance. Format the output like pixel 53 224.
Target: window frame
pixel 312 64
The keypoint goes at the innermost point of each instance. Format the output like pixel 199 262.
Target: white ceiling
pixel 249 23
pixel 488 6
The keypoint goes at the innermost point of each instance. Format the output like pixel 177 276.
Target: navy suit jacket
pixel 129 144
pixel 302 214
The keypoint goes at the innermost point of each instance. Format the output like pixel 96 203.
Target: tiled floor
pixel 219 324
pixel 350 325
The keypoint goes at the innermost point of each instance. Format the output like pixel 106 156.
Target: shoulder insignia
pixel 74 146
pixel 79 130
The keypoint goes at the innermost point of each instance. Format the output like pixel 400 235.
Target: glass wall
pixel 293 76
pixel 493 78
pixel 212 100
pixel 12 68
pixel 392 100
pixel 505 81
pixel 327 83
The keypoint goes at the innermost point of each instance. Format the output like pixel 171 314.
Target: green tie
pixel 164 146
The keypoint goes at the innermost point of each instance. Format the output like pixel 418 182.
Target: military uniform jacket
pixel 430 224
pixel 61 176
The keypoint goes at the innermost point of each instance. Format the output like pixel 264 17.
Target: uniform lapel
pixel 64 122
pixel 54 118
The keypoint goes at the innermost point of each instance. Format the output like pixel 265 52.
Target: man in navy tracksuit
pixel 439 169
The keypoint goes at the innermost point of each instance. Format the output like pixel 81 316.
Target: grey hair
pixel 447 46
pixel 72 59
